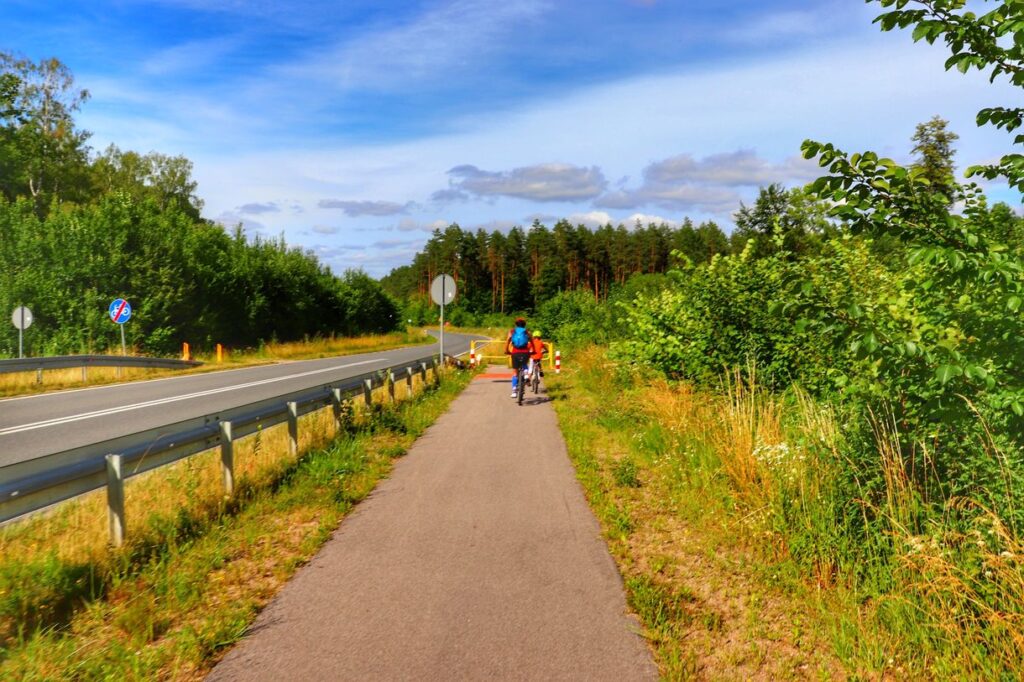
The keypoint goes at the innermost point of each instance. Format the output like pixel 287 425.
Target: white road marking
pixel 163 401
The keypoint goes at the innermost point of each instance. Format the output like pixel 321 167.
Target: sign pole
pixel 442 321
pixel 124 351
pixel 439 293
pixel 21 333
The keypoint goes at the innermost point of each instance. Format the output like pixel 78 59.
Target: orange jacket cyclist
pixel 537 355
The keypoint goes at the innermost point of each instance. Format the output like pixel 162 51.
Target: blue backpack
pixel 520 339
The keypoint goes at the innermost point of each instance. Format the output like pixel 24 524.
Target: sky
pixel 355 127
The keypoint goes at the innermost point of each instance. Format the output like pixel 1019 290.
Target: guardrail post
pixel 408 379
pixel 85 374
pixel 368 391
pixel 293 429
pixel 115 500
pixel 391 385
pixel 423 372
pixel 39 375
pixel 227 458
pixel 336 403
pixel 435 365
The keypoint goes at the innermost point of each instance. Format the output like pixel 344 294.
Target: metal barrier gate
pixel 493 351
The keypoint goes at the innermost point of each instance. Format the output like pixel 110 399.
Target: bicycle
pixel 519 365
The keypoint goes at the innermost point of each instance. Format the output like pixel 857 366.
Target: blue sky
pixel 355 127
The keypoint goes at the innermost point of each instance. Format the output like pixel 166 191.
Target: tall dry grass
pixel 77 531
pixel 52 561
pixel 947 575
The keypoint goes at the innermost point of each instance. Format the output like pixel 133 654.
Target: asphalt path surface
pixel 33 426
pixel 478 559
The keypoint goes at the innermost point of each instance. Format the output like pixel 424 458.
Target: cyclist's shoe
pixel 514 394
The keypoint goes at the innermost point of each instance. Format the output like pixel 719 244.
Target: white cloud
pixel 229 220
pixel 645 219
pixel 733 169
pixel 591 219
pixel 361 208
pixel 257 209
pixel 412 225
pixel 708 184
pixel 541 182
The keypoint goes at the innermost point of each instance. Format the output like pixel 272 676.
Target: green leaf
pixel 946 372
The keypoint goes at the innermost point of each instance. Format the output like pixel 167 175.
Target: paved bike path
pixel 477 559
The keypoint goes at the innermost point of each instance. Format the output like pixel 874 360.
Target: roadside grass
pixel 749 553
pixel 197 567
pixel 690 569
pixel 25 383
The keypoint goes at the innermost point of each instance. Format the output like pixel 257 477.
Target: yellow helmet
pixel 536 334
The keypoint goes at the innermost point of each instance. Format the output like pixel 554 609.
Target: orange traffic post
pixel 185 354
pixel 220 353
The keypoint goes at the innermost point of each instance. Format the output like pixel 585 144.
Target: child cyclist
pixel 519 346
pixel 536 356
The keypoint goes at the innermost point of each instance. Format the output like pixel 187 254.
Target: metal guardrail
pixel 85 361
pixel 29 486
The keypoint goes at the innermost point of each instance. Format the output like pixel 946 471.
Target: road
pixel 477 559
pixel 37 425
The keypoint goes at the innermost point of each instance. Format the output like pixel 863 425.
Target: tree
pixel 942 348
pixel 52 156
pixel 933 147
pixel 165 179
pixel 792 221
pixel 989 41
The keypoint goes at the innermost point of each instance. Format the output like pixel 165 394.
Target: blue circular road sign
pixel 120 311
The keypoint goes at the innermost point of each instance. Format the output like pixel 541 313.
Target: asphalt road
pixel 478 559
pixel 33 426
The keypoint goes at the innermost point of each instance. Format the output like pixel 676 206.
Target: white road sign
pixel 442 289
pixel 22 317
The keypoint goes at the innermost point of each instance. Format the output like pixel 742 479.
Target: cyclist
pixel 536 356
pixel 519 345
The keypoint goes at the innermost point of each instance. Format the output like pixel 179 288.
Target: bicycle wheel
pixel 536 379
pixel 521 388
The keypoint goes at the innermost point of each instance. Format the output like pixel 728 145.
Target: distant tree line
pixel 78 229
pixel 500 273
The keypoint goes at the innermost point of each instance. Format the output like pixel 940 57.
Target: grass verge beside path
pixel 192 577
pixel 693 573
pixel 24 383
pixel 753 547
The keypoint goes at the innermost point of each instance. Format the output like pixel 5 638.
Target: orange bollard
pixel 220 353
pixel 185 354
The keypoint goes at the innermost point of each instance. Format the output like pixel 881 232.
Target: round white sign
pixel 22 317
pixel 442 289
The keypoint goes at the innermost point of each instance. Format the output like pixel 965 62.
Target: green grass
pixel 743 502
pixel 708 609
pixel 189 583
